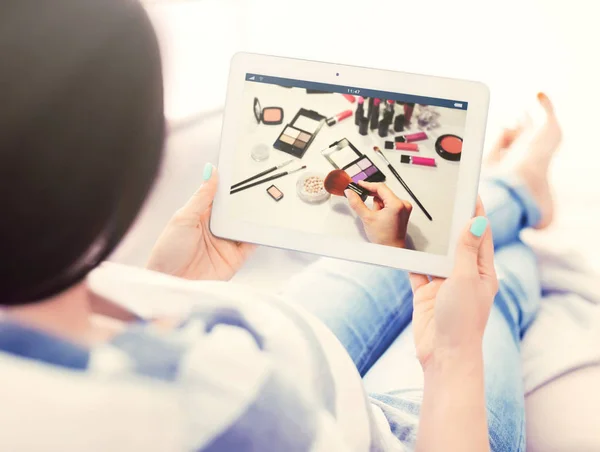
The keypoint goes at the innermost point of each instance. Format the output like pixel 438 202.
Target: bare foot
pixel 503 144
pixel 535 167
pixel 533 158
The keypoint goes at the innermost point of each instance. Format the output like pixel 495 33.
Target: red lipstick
pixel 401 146
pixel 339 117
pixel 408 138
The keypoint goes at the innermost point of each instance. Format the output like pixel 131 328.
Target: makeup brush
pixel 262 181
pixel 256 176
pixel 408 190
pixel 337 181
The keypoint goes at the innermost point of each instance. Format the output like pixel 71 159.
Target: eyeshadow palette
pixel 343 155
pixel 298 135
pixel 363 170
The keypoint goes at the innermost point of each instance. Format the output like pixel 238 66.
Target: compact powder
pixel 272 115
pixel 449 147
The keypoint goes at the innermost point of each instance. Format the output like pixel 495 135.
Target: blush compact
pixel 449 147
pixel 271 116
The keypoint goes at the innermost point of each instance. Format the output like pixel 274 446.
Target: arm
pixel 453 414
pixel 449 320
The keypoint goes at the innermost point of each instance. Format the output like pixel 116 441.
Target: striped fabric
pixel 244 373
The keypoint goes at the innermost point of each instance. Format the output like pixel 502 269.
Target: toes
pixel 509 136
pixel 546 103
pixel 504 141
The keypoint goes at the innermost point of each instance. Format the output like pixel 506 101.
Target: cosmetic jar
pixel 260 152
pixel 310 187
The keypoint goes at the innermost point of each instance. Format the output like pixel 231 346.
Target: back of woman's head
pixel 81 137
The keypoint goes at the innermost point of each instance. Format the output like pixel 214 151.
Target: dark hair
pixel 81 137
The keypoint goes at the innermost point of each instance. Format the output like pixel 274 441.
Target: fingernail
pixel 478 226
pixel 541 96
pixel 347 191
pixel 207 171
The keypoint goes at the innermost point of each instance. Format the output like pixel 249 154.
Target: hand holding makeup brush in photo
pixel 187 249
pixel 386 223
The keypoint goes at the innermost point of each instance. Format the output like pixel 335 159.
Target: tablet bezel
pixel 475 93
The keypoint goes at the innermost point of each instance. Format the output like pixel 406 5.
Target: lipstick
pixel 410 137
pixel 383 128
pixel 363 126
pixel 350 98
pixel 389 108
pixel 408 112
pixel 339 117
pixel 399 123
pixel 400 146
pixel 360 110
pixel 375 114
pixel 420 161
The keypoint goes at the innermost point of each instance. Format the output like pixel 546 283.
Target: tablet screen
pixel 407 141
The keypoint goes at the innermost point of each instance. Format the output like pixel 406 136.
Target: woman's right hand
pixel 449 319
pixel 450 315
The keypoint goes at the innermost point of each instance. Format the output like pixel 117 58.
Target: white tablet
pixel 289 123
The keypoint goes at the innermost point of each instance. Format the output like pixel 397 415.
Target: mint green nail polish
pixel 207 171
pixel 478 226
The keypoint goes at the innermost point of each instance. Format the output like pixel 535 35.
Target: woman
pixel 81 136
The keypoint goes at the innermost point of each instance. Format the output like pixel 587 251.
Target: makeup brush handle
pixel 262 181
pixel 256 176
pixel 409 191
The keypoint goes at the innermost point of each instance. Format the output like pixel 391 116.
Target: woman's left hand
pixel 187 248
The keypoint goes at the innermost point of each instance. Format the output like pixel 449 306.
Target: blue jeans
pixel 369 307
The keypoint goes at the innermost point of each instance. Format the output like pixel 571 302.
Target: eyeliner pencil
pixel 408 190
pixel 262 181
pixel 256 176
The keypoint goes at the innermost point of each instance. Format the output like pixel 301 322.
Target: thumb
pixel 470 245
pixel 204 196
pixel 356 203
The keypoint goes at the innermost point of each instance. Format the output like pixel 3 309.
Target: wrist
pixel 460 361
pixel 396 243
